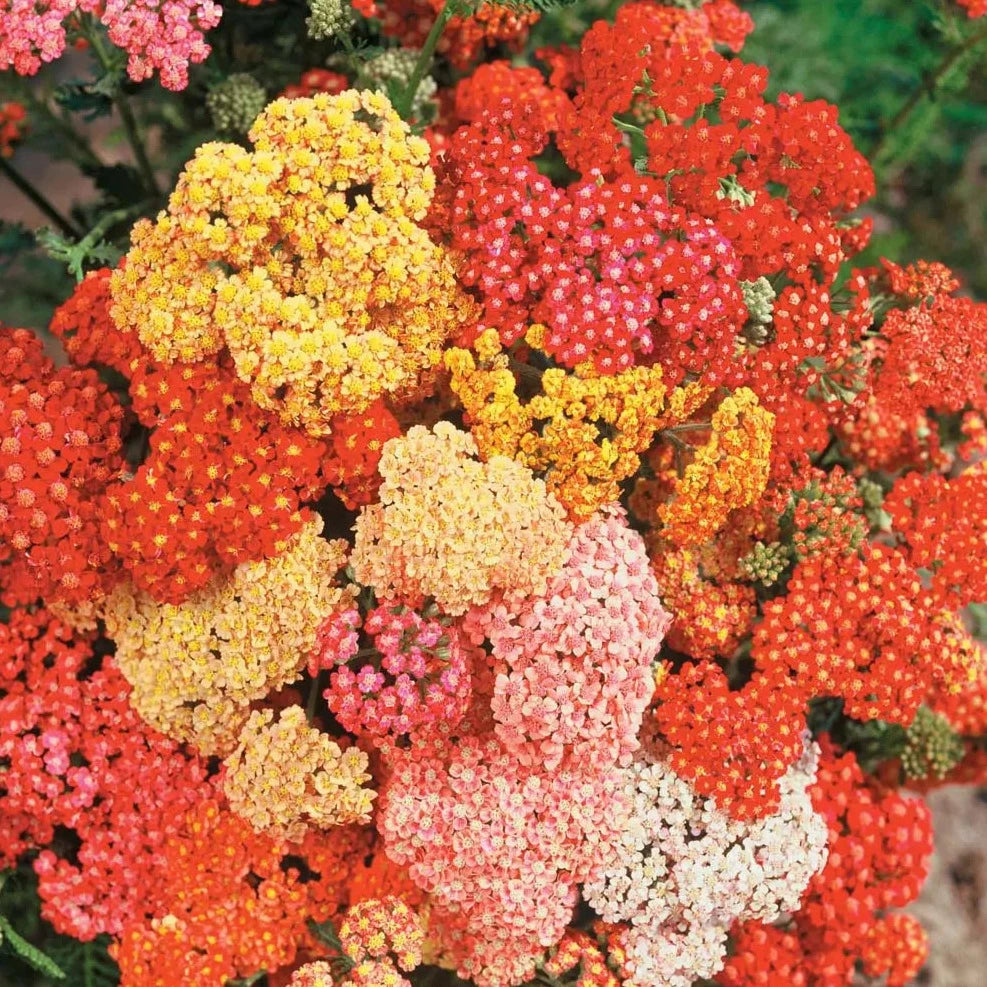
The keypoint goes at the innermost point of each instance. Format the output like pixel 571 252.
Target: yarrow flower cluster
pixel 682 871
pixel 61 443
pixel 573 665
pixel 484 527
pixel 354 302
pixel 416 673
pixel 285 776
pixel 454 528
pixel 164 36
pixel 195 667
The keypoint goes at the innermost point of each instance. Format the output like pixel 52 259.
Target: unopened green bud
pixel 235 103
pixel 765 563
pixel 329 18
pixel 932 748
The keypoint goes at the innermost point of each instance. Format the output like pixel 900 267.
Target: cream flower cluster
pixel 456 529
pixel 682 871
pixel 286 776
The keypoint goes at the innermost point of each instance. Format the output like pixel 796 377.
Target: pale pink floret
pixel 500 848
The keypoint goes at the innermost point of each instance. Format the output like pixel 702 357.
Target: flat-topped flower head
pixel 303 258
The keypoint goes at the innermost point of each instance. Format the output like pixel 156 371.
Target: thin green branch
pixel 122 103
pixel 406 100
pixel 927 89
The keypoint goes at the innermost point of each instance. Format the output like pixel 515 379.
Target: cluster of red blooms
pixel 13 127
pixel 614 497
pixel 77 755
pixel 861 628
pixel 756 730
pixel 59 447
pixel 317 81
pixel 465 38
pixel 354 453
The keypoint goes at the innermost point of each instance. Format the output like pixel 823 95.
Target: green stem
pixel 927 88
pixel 86 155
pixel 407 98
pixel 126 112
pixel 29 191
pixel 687 427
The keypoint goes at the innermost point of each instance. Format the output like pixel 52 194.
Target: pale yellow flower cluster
pixel 286 776
pixel 456 529
pixel 728 472
pixel 303 257
pixel 195 667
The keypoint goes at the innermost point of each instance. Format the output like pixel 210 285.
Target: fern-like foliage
pixel 15 944
pixel 85 964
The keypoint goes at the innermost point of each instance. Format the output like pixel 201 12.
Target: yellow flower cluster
pixel 456 529
pixel 195 667
pixel 728 472
pixel 303 257
pixel 286 776
pixel 583 430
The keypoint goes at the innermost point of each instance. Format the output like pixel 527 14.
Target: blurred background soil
pixel 953 905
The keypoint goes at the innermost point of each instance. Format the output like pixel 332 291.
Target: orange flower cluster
pixel 232 902
pixel 583 431
pixel 728 472
pixel 221 485
pixel 303 258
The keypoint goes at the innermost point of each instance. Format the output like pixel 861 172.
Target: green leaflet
pixel 15 943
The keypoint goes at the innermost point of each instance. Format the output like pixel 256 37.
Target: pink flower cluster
pixel 158 35
pixel 500 848
pixel 415 675
pixel 573 666
pixel 608 267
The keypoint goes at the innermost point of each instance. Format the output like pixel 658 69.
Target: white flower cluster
pixel 683 871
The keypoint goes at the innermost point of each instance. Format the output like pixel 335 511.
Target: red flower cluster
pixel 465 38
pixel 78 756
pixel 879 846
pixel 607 267
pixel 732 745
pixel 13 127
pixel 222 483
pixel 317 81
pixel 87 332
pixel 861 628
pixel 59 445
pixel 943 524
pixel 354 453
